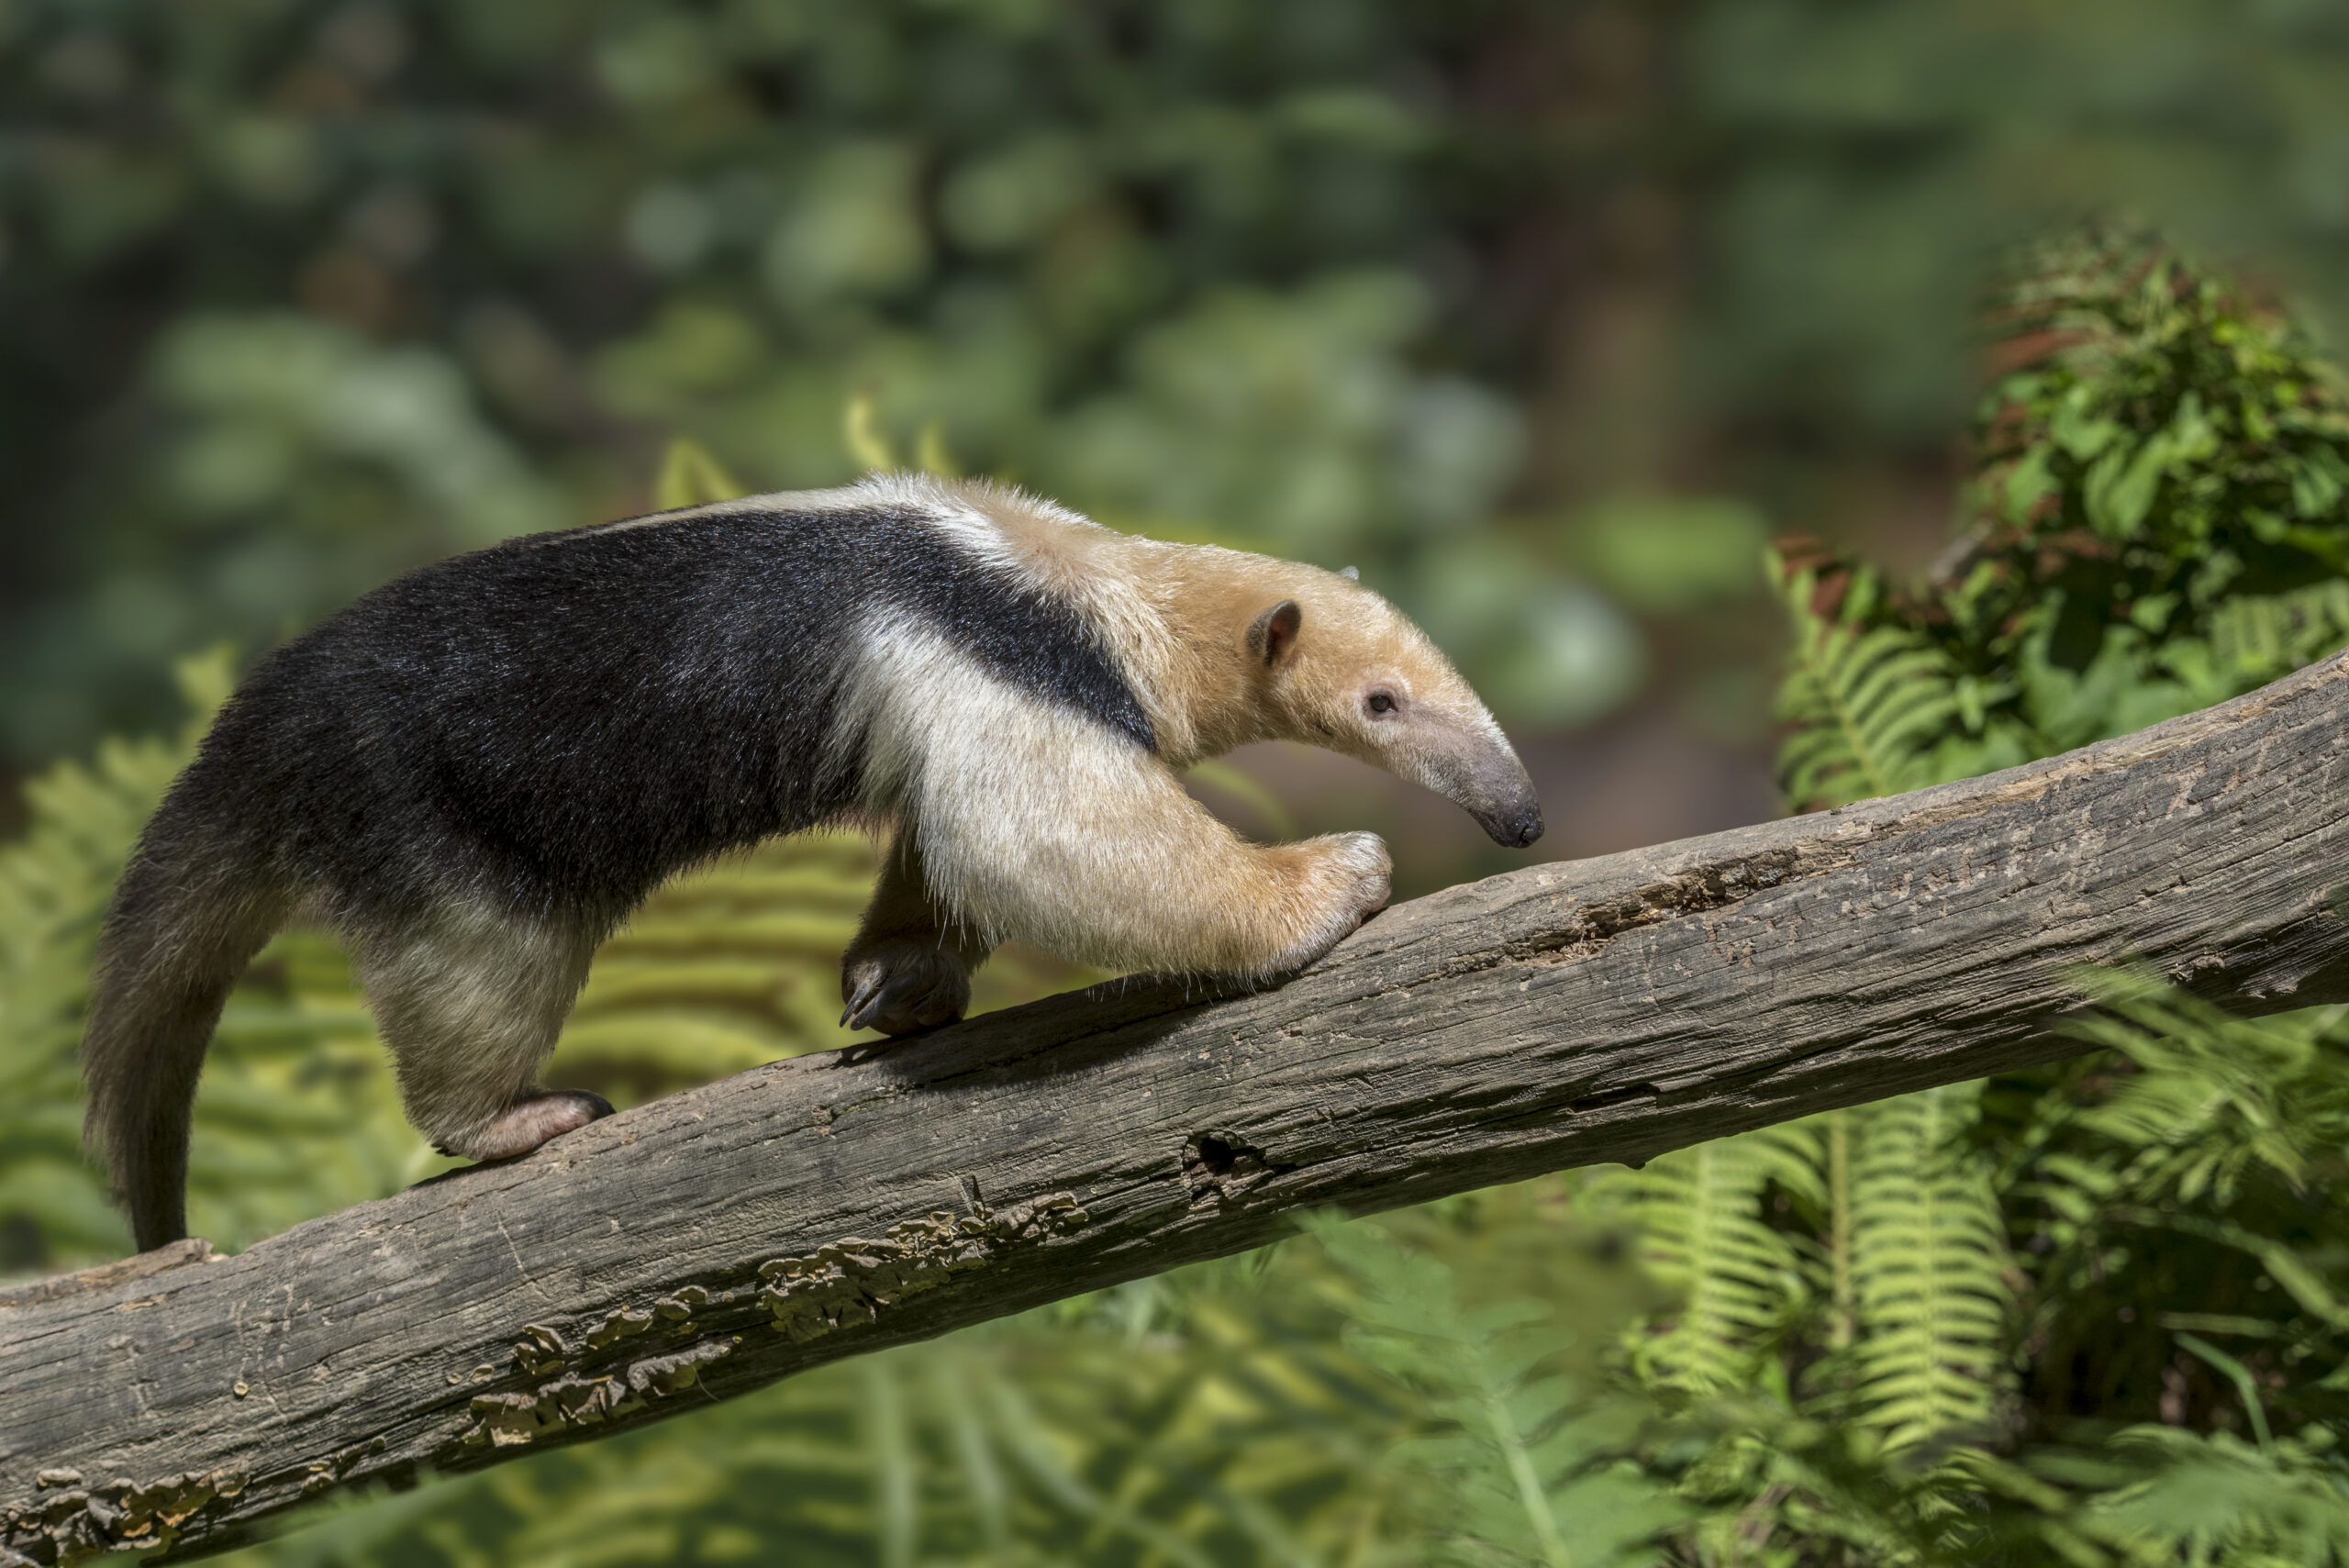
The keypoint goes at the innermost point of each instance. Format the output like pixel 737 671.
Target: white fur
pixel 1037 822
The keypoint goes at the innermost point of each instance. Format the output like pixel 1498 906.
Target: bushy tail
pixel 188 916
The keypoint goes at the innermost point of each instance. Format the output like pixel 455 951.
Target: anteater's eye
pixel 1380 702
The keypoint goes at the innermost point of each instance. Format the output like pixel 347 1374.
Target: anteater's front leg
pixel 1100 856
pixel 910 965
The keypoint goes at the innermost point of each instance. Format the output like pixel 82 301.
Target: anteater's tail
pixel 191 909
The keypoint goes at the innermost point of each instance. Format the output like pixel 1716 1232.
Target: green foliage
pixel 294 294
pixel 1869 156
pixel 1740 1282
pixel 1523 1467
pixel 2179 1498
pixel 1929 1295
pixel 2094 1313
pixel 313 293
pixel 2159 521
pixel 1862 701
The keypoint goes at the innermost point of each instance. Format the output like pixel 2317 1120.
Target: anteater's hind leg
pixel 470 1001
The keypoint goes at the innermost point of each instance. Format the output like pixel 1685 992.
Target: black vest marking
pixel 562 720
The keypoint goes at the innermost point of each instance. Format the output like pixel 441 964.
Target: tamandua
pixel 474 772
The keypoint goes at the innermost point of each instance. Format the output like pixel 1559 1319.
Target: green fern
pixel 2179 1498
pixel 1525 1468
pixel 1739 1283
pixel 2255 638
pixel 1866 703
pixel 1931 1278
pixel 2215 1098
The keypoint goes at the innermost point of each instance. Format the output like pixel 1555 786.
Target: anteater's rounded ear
pixel 1351 574
pixel 1273 633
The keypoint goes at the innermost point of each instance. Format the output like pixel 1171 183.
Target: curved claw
pixel 899 988
pixel 860 1004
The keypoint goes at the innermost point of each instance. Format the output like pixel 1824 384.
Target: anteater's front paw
pixel 1345 884
pixel 1363 858
pixel 897 985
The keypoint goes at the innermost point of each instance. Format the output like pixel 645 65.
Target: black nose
pixel 1514 829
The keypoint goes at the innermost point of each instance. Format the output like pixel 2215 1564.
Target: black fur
pixel 571 718
pixel 555 724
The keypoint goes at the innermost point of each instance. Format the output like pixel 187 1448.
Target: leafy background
pixel 1547 314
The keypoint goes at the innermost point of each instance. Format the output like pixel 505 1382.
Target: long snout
pixel 1474 768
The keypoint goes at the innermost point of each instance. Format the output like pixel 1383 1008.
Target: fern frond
pixel 2216 1097
pixel 1738 1281
pixel 1867 705
pixel 1930 1271
pixel 2255 639
pixel 1529 1470
pixel 2189 1499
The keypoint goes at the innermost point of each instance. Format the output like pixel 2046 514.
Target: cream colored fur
pixel 1035 822
pixel 1023 820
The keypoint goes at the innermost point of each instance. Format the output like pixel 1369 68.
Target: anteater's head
pixel 1336 665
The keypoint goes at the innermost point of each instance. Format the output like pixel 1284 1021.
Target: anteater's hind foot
pixel 526 1123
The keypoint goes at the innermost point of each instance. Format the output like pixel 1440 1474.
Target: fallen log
pixel 824 1206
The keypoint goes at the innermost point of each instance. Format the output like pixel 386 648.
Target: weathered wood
pixel 1559 1016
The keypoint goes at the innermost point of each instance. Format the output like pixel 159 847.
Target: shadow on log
pixel 821 1207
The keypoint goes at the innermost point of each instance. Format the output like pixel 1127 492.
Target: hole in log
pixel 1218 1164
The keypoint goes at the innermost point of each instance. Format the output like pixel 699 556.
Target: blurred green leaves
pixel 1354 279
pixel 1665 554
pixel 264 395
pixel 1280 417
pixel 1875 157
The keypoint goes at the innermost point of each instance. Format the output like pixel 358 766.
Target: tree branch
pixel 820 1208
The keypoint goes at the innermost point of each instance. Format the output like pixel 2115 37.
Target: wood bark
pixel 820 1208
